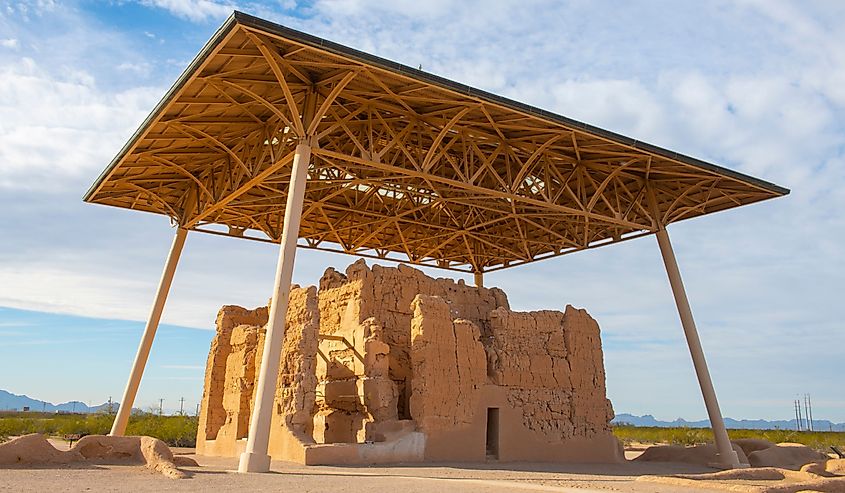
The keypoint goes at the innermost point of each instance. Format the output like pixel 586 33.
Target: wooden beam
pixel 255 180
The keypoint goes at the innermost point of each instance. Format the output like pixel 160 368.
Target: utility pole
pixel 810 410
pixel 161 407
pixel 182 406
pixel 111 404
pixel 198 410
pixel 797 416
pixel 807 413
pixel 800 414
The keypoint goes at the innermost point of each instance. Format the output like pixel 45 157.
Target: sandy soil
pixel 216 474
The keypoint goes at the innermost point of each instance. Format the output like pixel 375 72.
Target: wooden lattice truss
pixel 404 165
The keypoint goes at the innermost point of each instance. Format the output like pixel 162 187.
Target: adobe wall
pixel 541 371
pixel 386 364
pixel 215 414
pixel 449 366
pixel 552 366
pixel 231 376
pixel 385 295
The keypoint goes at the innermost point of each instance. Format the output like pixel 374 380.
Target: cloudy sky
pixel 758 86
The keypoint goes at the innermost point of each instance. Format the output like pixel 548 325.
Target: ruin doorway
pixel 492 433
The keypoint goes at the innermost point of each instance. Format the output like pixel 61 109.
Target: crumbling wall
pixel 341 413
pixel 551 364
pixel 213 413
pixel 232 371
pixel 592 411
pixel 296 392
pixel 240 381
pixel 449 366
pixel 385 294
pixel 354 387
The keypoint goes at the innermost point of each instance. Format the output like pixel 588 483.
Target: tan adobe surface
pixel 386 365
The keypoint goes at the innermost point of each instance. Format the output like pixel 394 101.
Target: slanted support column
pixel 122 418
pixel 479 279
pixel 255 458
pixel 726 455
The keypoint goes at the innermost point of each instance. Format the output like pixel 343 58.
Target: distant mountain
pixel 14 402
pixel 743 424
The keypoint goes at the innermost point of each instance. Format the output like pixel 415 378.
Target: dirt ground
pixel 217 474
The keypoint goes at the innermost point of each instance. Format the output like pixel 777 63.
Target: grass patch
pixel 178 431
pixel 819 440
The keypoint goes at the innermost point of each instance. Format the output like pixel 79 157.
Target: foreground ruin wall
pixel 387 365
pixel 232 374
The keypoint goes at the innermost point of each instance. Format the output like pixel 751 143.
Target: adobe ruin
pixel 383 365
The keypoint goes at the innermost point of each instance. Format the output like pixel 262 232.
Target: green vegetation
pixel 820 440
pixel 181 431
pixel 178 431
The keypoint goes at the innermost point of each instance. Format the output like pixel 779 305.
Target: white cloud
pixel 194 10
pixel 25 9
pixel 54 129
pixel 411 8
pixel 137 68
pixel 10 43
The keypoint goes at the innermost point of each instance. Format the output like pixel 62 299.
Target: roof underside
pixel 405 165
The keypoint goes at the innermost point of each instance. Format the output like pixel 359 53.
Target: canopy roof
pixel 405 165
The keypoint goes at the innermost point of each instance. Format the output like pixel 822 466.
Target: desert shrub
pixel 819 440
pixel 179 431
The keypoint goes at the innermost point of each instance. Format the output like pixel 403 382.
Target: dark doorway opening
pixel 493 433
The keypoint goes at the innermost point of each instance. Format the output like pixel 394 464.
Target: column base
pixel 252 462
pixel 730 462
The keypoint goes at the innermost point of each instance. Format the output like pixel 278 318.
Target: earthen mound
pixel 827 468
pixel 699 454
pixel 777 468
pixel 97 449
pixel 786 456
pixel 749 445
pixel 182 461
pixel 34 449
pixel 148 451
pixel 835 466
pixel 756 480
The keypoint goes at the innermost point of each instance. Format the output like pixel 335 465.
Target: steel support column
pixel 726 455
pixel 256 458
pixel 122 418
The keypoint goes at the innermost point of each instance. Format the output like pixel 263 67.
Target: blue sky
pixel 758 86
